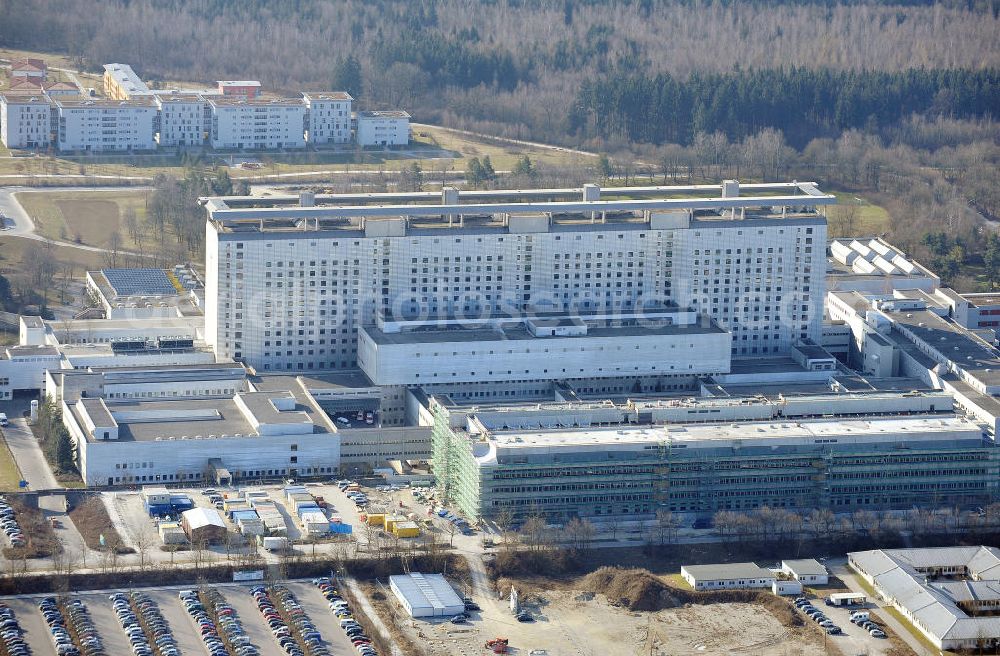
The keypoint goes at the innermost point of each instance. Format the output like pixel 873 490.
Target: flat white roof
pixel 726 571
pixel 199 517
pixel 805 567
pixel 820 429
pixel 427 591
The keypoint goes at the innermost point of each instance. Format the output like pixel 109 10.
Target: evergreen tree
pixel 474 172
pixel 347 76
pixel 488 171
pixel 64 450
pixel 991 259
pixel 524 167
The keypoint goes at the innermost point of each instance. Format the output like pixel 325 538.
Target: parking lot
pixel 854 639
pixel 251 619
pixel 106 622
pixel 36 633
pixel 183 628
pixel 318 610
pixel 178 620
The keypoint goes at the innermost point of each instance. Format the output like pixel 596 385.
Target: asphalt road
pixel 28 455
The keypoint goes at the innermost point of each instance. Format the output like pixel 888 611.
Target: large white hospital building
pixel 292 286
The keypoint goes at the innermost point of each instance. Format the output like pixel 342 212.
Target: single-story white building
pixel 728 576
pixel 426 595
pixel 807 570
pixel 784 587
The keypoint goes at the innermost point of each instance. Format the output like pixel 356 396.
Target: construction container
pixel 155 496
pixel 262 501
pixel 255 494
pixel 405 529
pixel 375 519
pixel 315 523
pixel 228 504
pixel 243 515
pixel 299 504
pixel 390 522
pixel 274 543
pixel 172 533
pixel 302 510
pixel 253 527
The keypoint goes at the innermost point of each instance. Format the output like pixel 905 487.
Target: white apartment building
pixel 93 124
pixel 182 119
pixel 291 288
pixel 25 121
pixel 239 123
pixel 391 128
pixel 329 117
pixel 122 83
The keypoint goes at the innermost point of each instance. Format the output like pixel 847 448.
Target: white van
pixel 3 419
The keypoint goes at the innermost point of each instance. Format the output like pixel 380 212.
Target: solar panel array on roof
pixel 125 345
pixel 139 282
pixel 176 343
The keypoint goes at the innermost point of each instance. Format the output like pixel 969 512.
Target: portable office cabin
pixel 784 587
pixel 808 571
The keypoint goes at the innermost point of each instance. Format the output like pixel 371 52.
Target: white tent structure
pixel 426 595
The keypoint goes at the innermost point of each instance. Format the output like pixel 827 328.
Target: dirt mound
pixel 638 589
pixel 635 589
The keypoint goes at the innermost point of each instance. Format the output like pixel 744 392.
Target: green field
pixel 85 217
pixel 867 219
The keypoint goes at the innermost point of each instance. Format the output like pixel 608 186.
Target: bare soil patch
pixel 92 520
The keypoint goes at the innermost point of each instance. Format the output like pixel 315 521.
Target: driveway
pixel 28 455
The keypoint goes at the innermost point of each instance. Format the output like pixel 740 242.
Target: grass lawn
pixel 10 475
pixel 676 580
pixel 59 61
pixel 868 219
pixel 87 217
pixel 502 155
pixel 12 253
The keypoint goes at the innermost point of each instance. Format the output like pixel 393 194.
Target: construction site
pixel 613 611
